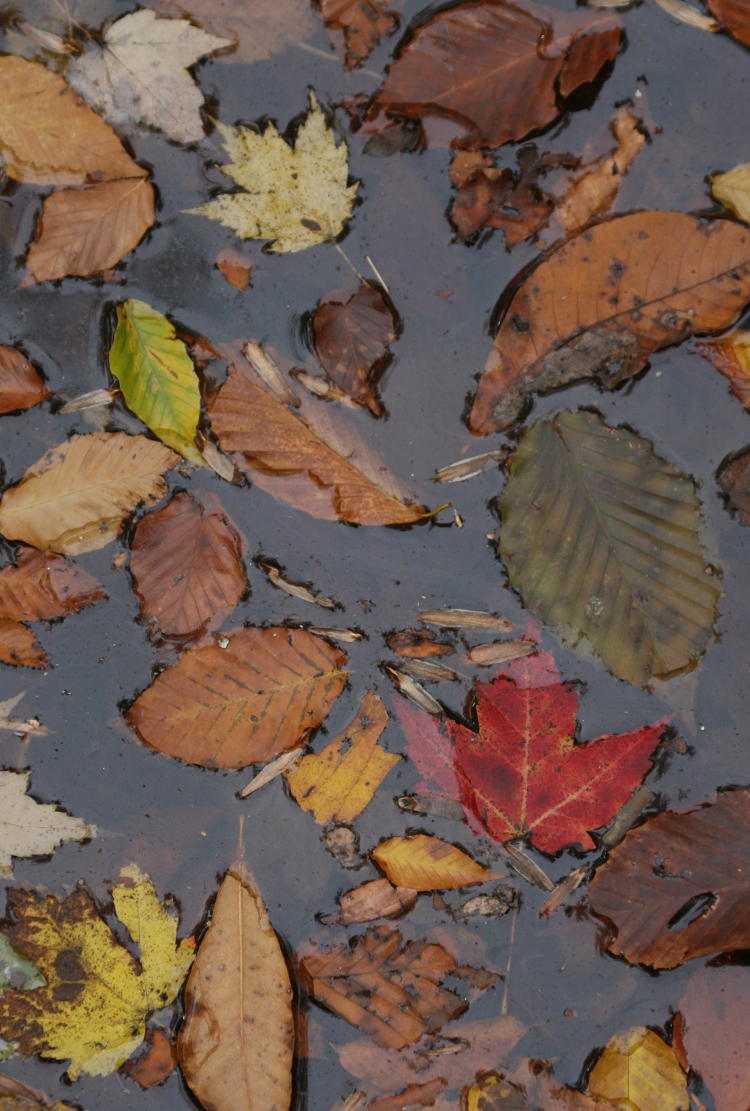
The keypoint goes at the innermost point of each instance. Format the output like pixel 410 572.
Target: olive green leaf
pixel 600 538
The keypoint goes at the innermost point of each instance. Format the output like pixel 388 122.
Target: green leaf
pixel 156 376
pixel 600 537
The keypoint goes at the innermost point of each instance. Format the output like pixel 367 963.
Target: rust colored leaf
pixel 19 646
pixel 312 462
pixel 676 887
pixel 376 899
pixel 734 480
pixel 41 586
pixel 734 16
pixel 712 1034
pixel 236 1043
pixel 242 704
pixel 600 305
pixel 236 267
pixel 363 23
pixel 21 385
pixel 156 1064
pixel 86 230
pixel 387 989
pixel 350 335
pixel 187 565
pixel 731 357
pixel 497 70
pixel 428 864
pixel 15 1096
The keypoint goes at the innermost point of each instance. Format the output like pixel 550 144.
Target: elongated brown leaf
pixel 86 230
pixel 308 461
pixel 187 565
pixel 241 704
pixel 601 304
pixel 236 1043
pixel 19 646
pixel 41 586
pixel 734 16
pixel 21 385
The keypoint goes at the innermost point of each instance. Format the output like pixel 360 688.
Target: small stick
pixel 275 768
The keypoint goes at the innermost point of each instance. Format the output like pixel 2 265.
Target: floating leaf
pixel 236 267
pixel 30 828
pixel 668 276
pixel 363 22
pixel 428 864
pixel 733 15
pixel 241 704
pixel 600 538
pixel 15 1096
pixel 19 646
pixel 734 480
pixel 157 1063
pixel 638 1071
pixel 732 189
pixel 731 357
pixel 295 195
pixel 712 1033
pixel 374 899
pixel 260 30
pixel 21 385
pixel 41 586
pixel 492 1093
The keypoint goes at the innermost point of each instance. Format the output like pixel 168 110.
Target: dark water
pixel 180 824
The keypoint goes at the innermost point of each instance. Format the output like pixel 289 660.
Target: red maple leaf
pixel 522 774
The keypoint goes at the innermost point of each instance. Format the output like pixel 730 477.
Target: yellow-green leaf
pixel 156 376
pixel 428 864
pixel 638 1071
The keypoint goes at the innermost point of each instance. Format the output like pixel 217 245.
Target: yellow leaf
pixel 428 864
pixel 492 1093
pixel 297 196
pixel 639 1072
pixel 97 996
pixel 156 376
pixel 336 784
pixel 732 189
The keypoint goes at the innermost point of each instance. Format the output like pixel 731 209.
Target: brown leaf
pixel 363 22
pixel 734 16
pixel 236 1043
pixel 389 990
pixel 156 1064
pixel 492 197
pixel 731 357
pixel 496 69
pixel 19 646
pixel 350 335
pixel 242 704
pixel 187 565
pixel 261 29
pixel 86 230
pixel 235 267
pixel 375 899
pixel 416 644
pixel 41 586
pixel 734 480
pixel 309 461
pixel 676 887
pixel 602 303
pixel 21 385
pixel 712 1034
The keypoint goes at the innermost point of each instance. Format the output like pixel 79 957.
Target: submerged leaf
pixel 638 1071
pixel 363 22
pixel 30 828
pixel 41 586
pixel 712 1033
pixel 734 480
pixel 21 385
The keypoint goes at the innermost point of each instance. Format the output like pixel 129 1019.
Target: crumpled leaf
pixel 600 538
pixel 31 828
pixel 363 22
pixel 336 784
pixel 712 1033
pixel 638 1071
pixel 296 195
pixel 139 73
pixel 93 1008
pixel 21 385
pixel 426 863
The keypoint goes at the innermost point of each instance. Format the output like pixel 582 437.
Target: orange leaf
pixel 41 586
pixel 21 385
pixel 19 646
pixel 428 864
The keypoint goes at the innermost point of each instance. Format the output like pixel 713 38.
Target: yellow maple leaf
pixel 297 196
pixel 93 1007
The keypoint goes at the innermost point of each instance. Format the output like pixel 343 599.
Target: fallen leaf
pixel 309 461
pixel 667 275
pixel 350 336
pixel 466 619
pixel 50 136
pixel 19 646
pixel 712 1033
pixel 375 899
pixel 236 1042
pixel 498 70
pixel 242 704
pixel 186 563
pixel 734 16
pixel 89 229
pixel 76 497
pixel 157 1063
pixel 363 23
pixel 732 189
pixel 387 989
pixel 638 1071
pixel 15 1096
pixel 731 357
pixel 41 586
pixel 19 726
pixel 296 195
pixel 138 73
pixel 335 785
pixel 416 644
pixel 416 1095
pixel 93 1006
pixel 261 29
pixel 21 384
pixel 30 828
pixel 500 652
pixel 236 268
pixel 734 480
pixel 676 888
pixel 491 1092
pixel 295 589
pixel 615 530
pixel 428 864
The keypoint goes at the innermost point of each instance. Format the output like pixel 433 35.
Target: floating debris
pixel 430 671
pixel 346 636
pixel 468 468
pixel 266 368
pixel 501 651
pixel 413 690
pixel 297 590
pixel 466 619
pixel 271 771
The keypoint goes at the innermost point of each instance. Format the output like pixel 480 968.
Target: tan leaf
pixel 21 385
pixel 187 565
pixel 242 704
pixel 335 785
pixel 638 1071
pixel 731 357
pixel 309 460
pixel 428 864
pixel 75 498
pixel 236 1043
pixel 84 231
pixel 31 828
pixel 375 899
pixel 363 22
pixel 732 189
pixel 19 646
pixel 41 586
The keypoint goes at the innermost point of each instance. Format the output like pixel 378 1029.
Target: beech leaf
pixel 733 15
pixel 41 586
pixel 374 899
pixel 21 385
pixel 19 646
pixel 428 864
pixel 639 1071
pixel 30 828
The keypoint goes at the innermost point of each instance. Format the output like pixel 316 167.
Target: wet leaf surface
pixel 21 385
pixel 734 16
pixel 29 828
pixel 639 1070
pixel 426 863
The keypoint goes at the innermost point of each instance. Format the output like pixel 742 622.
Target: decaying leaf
pixel 21 385
pixel 236 1043
pixel 296 196
pixel 260 30
pixel 416 644
pixel 139 73
pixel 638 1071
pixel 600 537
pixel 335 785
pixel 734 480
pixel 243 703
pixel 30 828
pixel 428 864
pixel 667 277
pixel 415 1095
pixel 76 497
pixel 688 14
pixel 468 62
pixel 676 887
pixel 41 586
pixel 19 646
pixel 93 1006
pixel 363 23
pixel 309 460
pixel 712 1033
pixel 20 726
pixel 375 899
pixel 413 690
pixel 295 589
pixel 157 1062
pixel 186 562
pixel 734 16
pixel 15 1096
pixel 731 357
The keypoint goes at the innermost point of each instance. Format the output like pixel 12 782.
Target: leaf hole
pixel 692 910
